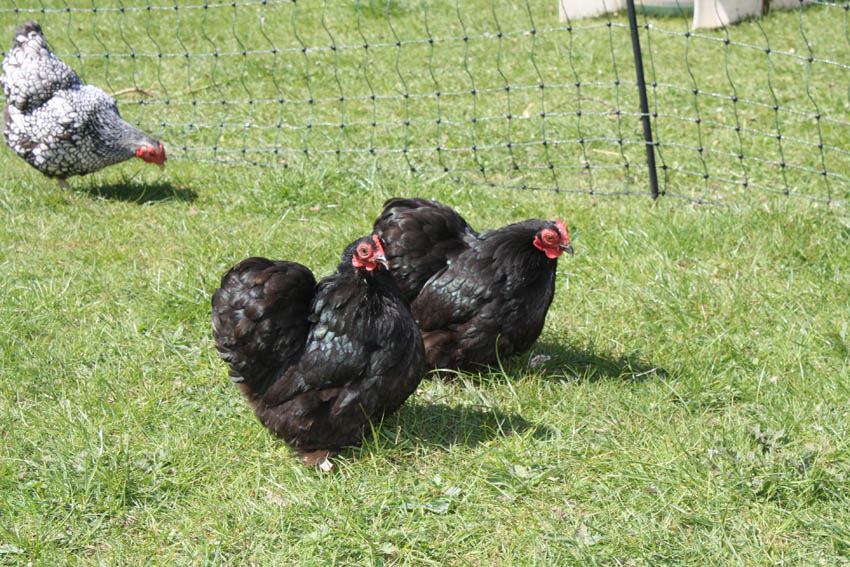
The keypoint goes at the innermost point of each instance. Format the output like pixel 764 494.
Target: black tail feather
pixel 259 317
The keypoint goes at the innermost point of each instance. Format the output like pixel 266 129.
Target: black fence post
pixel 644 104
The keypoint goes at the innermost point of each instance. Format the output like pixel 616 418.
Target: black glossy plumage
pixel 317 361
pixel 488 297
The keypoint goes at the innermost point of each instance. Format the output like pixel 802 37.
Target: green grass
pixel 693 409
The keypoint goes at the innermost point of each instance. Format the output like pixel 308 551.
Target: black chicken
pixel 476 297
pixel 59 125
pixel 318 361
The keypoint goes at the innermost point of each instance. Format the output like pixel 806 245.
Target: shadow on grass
pixel 587 363
pixel 136 192
pixel 558 363
pixel 429 425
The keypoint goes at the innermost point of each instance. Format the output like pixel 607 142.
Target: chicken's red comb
pixel 562 228
pixel 151 154
pixel 378 245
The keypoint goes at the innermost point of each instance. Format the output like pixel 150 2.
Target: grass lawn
pixel 693 409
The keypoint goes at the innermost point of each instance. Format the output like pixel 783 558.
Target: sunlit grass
pixel 693 408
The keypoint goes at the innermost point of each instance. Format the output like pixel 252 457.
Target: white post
pixel 707 13
pixel 717 13
pixel 576 9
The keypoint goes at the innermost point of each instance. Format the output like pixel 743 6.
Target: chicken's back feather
pixel 422 236
pixel 32 73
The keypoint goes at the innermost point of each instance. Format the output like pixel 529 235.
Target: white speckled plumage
pixel 56 123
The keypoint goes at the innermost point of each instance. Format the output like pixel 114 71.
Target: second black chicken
pixel 476 297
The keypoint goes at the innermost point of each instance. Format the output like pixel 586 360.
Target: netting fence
pixel 481 91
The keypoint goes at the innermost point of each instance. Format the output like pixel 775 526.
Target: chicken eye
pixel 364 250
pixel 548 237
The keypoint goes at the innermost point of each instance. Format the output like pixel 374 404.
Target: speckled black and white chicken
pixel 58 124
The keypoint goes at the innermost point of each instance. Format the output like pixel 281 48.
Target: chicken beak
pixel 375 263
pixel 567 248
